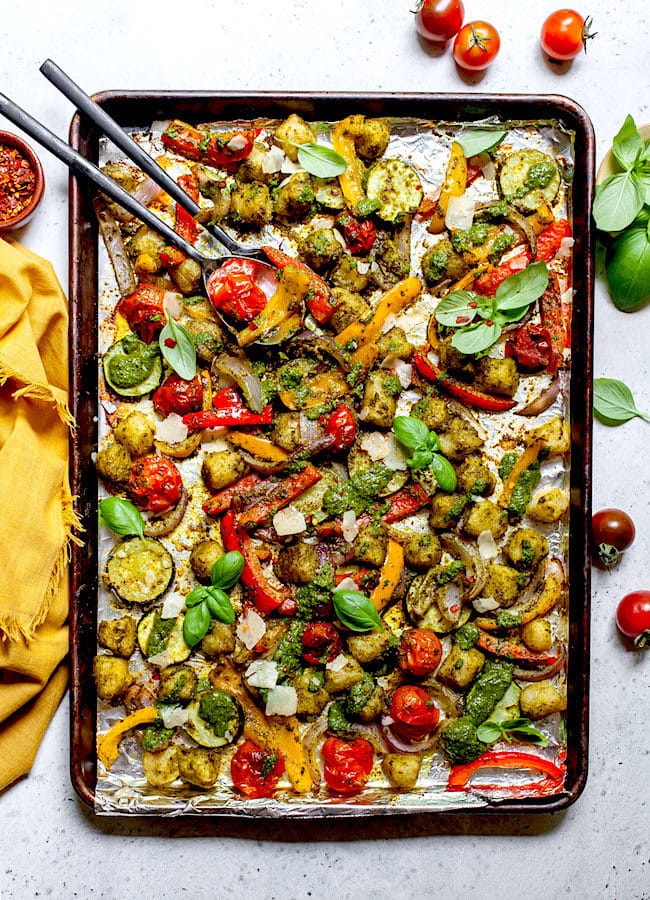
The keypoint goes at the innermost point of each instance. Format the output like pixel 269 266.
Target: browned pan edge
pixel 139 108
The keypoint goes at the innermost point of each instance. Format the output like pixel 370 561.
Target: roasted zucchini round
pixel 158 636
pixel 139 570
pixel 422 609
pixel 529 178
pixel 132 368
pixel 215 718
pixel 397 188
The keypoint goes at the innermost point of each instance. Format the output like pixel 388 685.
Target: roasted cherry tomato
pixel 439 20
pixel 633 617
pixel 488 283
pixel 175 395
pixel 321 643
pixel 342 426
pixel 531 346
pixel 143 310
pixel 255 772
pixel 613 532
pixel 359 236
pixel 548 242
pixel 232 289
pixel 476 45
pixel 565 33
pixel 155 484
pixel 348 764
pixel 413 712
pixel 420 651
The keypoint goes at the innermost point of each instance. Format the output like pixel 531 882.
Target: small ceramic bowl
pixel 609 166
pixel 13 140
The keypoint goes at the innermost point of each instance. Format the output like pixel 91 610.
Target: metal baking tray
pixel 138 109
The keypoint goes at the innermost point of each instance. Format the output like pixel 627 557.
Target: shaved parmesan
pixel 347 584
pixel 489 171
pixel 282 701
pixel 145 407
pixel 172 430
pixel 339 237
pixel 339 662
pixel 404 372
pixel 395 459
pixel 486 545
pixel 173 716
pixel 376 445
pixel 485 604
pixel 215 444
pixel 162 660
pixel 238 142
pixel 566 297
pixel 363 267
pixel 389 323
pixel 289 521
pixel 289 166
pixel 564 250
pixel 273 161
pixel 350 527
pixel 460 213
pixel 172 606
pixel 262 673
pixel 251 629
pixel 172 304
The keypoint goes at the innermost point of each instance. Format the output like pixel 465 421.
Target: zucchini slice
pixel 328 193
pixel 397 188
pixel 139 570
pixel 163 636
pixel 421 607
pixel 132 368
pixel 215 718
pixel 529 178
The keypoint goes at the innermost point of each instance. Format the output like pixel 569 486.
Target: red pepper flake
pixel 17 182
pixel 170 342
pixel 472 304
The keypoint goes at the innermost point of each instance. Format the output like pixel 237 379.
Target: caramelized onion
pixel 238 371
pixel 159 526
pixel 472 559
pixel 540 674
pixel 542 402
pixel 321 345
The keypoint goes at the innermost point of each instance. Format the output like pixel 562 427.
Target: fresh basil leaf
pixel 121 516
pixel 523 287
pixel 196 624
pixel 614 403
pixel 479 140
pixel 489 732
pixel 456 309
pixel 196 595
pixel 410 432
pixel 226 571
pixel 643 178
pixel 503 317
pixel 432 442
pixel 356 611
pixel 218 602
pixel 177 347
pixel 420 459
pixel 321 161
pixel 529 732
pixel 444 472
pixel 627 144
pixel 628 268
pixel 476 338
pixel 618 201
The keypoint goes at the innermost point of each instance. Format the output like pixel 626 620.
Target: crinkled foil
pixel 124 790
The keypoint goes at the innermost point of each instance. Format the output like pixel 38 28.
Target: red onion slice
pixel 401 746
pixel 540 404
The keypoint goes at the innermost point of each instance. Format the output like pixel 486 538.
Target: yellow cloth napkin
pixel 36 515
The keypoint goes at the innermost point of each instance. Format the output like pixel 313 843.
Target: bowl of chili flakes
pixel 21 182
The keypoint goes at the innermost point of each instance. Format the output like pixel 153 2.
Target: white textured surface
pixel 49 845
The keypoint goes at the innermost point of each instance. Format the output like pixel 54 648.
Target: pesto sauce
pixel 500 244
pixel 487 690
pixel 219 710
pixel 133 364
pixel 288 655
pixel 359 493
pixel 460 741
pixel 522 493
pixel 540 175
pixel 154 738
pixel 474 237
pixel 159 635
pixel 436 266
pixel 467 636
pixel 450 572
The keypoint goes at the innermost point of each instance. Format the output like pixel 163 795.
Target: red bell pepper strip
pixel 508 759
pixel 227 418
pixel 508 648
pixel 223 500
pixel 554 317
pixel 403 503
pixel 213 148
pixel 265 596
pixel 319 297
pixel 279 496
pixel 171 257
pixel 186 226
pixel 488 283
pixel 548 242
pixel 468 395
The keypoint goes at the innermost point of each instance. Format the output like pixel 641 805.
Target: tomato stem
pixel 641 640
pixel 478 40
pixel 586 34
pixel 609 555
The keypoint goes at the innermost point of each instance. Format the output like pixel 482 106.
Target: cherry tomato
pixel 439 20
pixel 348 764
pixel 476 45
pixel 413 712
pixel 633 617
pixel 359 236
pixel 342 426
pixel 321 643
pixel 420 651
pixel 255 772
pixel 488 283
pixel 233 290
pixel 143 310
pixel 155 484
pixel 531 346
pixel 564 34
pixel 175 395
pixel 548 242
pixel 613 532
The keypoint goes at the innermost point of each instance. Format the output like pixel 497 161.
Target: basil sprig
pixel 479 320
pixel 177 347
pixel 479 140
pixel 620 198
pixel 121 516
pixel 424 445
pixel 208 602
pixel 323 162
pixel 356 611
pixel 510 730
pixel 614 403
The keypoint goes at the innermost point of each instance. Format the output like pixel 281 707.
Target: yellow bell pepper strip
pixel 343 143
pixel 320 301
pixel 286 302
pixel 454 186
pixel 108 745
pixel 322 388
pixel 281 736
pixel 394 300
pixel 258 446
pixel 527 458
pixel 389 575
pixel 279 496
pixel 460 776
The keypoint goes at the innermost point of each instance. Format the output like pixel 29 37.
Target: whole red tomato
pixel 613 532
pixel 359 236
pixel 321 643
pixel 565 33
pixel 413 712
pixel 254 771
pixel 143 310
pixel 531 346
pixel 155 484
pixel 233 290
pixel 342 426
pixel 476 45
pixel 348 764
pixel 420 651
pixel 439 20
pixel 633 617
pixel 175 395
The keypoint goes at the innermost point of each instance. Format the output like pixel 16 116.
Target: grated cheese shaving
pixel 282 701
pixel 251 629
